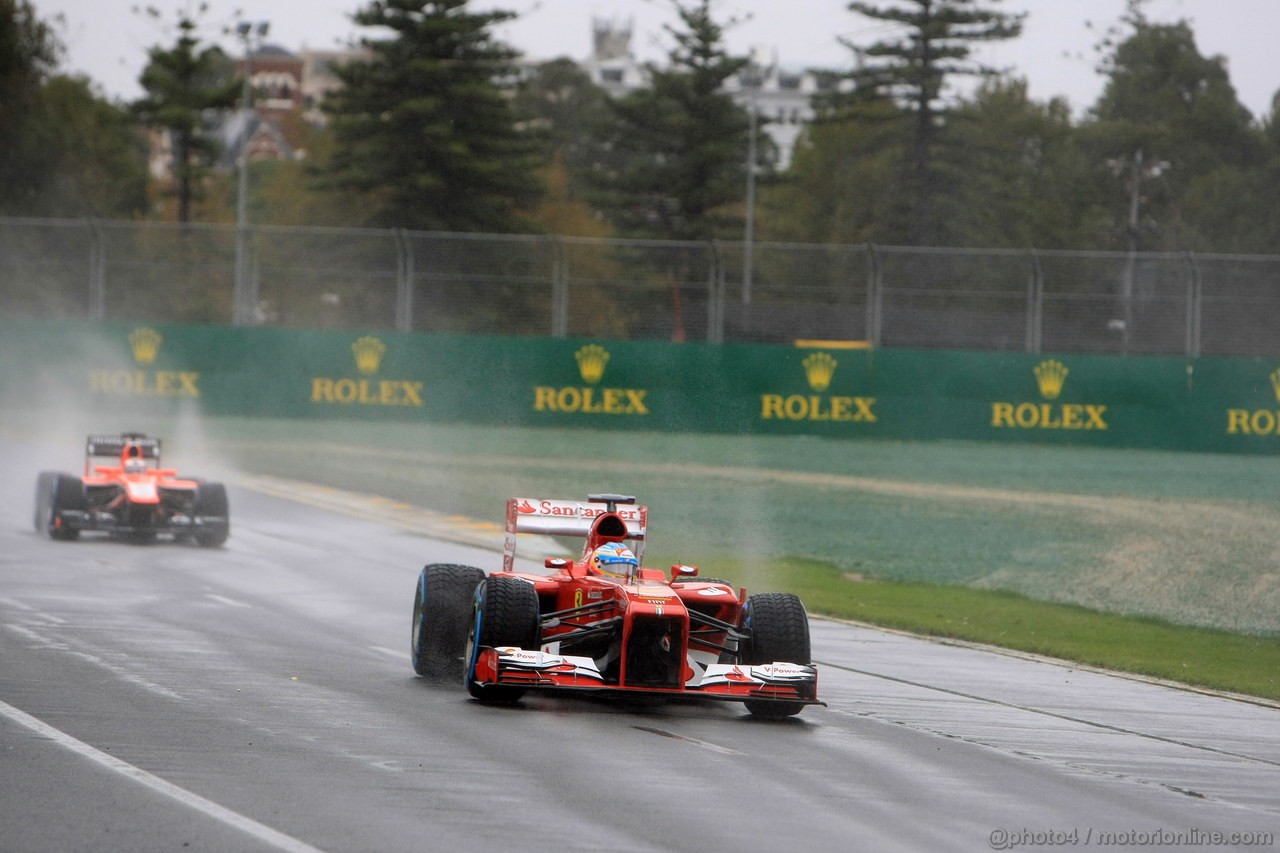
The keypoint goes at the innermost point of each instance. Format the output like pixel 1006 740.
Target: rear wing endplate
pixel 568 518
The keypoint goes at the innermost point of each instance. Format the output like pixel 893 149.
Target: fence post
pixel 873 295
pixel 559 288
pixel 404 281
pixel 97 272
pixel 715 294
pixel 253 317
pixel 1035 305
pixel 1195 297
pixel 245 298
pixel 240 290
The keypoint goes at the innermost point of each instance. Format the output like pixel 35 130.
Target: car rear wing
pixel 571 518
pixel 114 445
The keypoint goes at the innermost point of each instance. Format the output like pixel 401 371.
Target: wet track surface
pixel 260 697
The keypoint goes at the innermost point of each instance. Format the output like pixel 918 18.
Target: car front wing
pixel 781 681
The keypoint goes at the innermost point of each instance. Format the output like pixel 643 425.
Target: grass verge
pixel 1204 657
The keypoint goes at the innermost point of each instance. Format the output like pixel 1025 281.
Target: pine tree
pixel 936 43
pixel 678 146
pixel 182 83
pixel 424 125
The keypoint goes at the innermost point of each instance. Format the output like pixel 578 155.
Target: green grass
pixel 1220 660
pixel 1190 538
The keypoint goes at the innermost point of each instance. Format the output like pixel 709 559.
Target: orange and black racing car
pixel 132 497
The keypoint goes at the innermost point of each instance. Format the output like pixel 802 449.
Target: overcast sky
pixel 107 40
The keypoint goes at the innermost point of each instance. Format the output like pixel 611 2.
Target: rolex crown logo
pixel 591 361
pixel 368 351
pixel 1050 376
pixel 1275 383
pixel 145 344
pixel 819 367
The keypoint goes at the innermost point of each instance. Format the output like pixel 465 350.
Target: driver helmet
pixel 614 560
pixel 134 466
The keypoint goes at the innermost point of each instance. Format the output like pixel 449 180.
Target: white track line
pixel 137 774
pixel 230 602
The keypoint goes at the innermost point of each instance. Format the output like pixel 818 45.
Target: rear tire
pixel 211 501
pixel 779 633
pixel 441 610
pixel 504 613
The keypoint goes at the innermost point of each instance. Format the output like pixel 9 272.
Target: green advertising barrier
pixel 823 388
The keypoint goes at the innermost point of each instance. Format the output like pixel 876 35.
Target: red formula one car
pixel 133 498
pixel 604 623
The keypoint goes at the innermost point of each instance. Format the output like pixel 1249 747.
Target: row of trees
pixel 63 149
pixel 436 127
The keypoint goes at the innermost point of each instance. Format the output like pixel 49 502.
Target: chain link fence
pixel 1032 301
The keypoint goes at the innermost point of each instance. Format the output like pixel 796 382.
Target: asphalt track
pixel 260 697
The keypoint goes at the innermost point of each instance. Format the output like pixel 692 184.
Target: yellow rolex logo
pixel 819 368
pixel 1275 383
pixel 134 382
pixel 591 399
pixel 591 361
pixel 368 351
pixel 1050 376
pixel 145 344
pixel 366 392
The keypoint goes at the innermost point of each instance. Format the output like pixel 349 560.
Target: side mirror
pixel 556 562
pixel 682 571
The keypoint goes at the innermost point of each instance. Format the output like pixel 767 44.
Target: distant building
pixel 276 77
pixel 612 66
pixel 251 131
pixel 262 132
pixel 781 96
pixel 289 88
pixel 319 79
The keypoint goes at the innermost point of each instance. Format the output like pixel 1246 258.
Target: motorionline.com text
pixel 1013 839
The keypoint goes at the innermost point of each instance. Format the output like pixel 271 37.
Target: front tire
pixel 64 493
pixel 211 502
pixel 441 608
pixel 779 633
pixel 504 613
pixel 44 499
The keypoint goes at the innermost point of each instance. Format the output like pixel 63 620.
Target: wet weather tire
pixel 44 499
pixel 56 493
pixel 779 632
pixel 441 610
pixel 504 613
pixel 211 503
